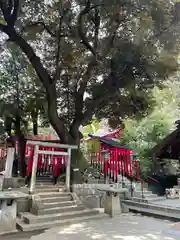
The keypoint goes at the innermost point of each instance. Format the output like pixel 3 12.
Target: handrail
pixel 154 180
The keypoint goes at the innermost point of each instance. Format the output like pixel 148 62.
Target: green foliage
pixel 92 128
pixel 21 94
pixel 142 135
pixel 115 52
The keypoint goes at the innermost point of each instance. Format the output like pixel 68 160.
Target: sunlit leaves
pixel 144 134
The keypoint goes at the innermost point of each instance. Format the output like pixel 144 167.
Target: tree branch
pixel 62 13
pixel 41 23
pixel 110 39
pixel 82 84
pixel 5 13
pixel 94 103
pixel 97 26
pixel 81 89
pixel 9 16
pixel 82 35
pixel 10 6
pixel 14 15
pixel 3 28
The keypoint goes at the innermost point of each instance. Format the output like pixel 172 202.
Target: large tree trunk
pixel 21 154
pixel 21 146
pixel 34 116
pixel 77 159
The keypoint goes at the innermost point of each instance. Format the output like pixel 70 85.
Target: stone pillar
pixel 8 216
pixel 1 182
pixel 112 205
pixel 34 169
pixel 68 170
pixel 9 162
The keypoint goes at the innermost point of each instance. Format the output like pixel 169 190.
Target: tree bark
pixel 35 127
pixel 21 154
pixel 77 158
pixel 34 116
pixel 21 146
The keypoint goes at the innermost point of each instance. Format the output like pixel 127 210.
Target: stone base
pixel 112 205
pixel 8 217
pixel 14 182
pixel 37 204
pixel 24 205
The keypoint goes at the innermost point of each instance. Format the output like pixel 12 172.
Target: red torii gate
pixel 46 162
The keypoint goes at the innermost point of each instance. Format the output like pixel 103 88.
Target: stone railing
pixel 173 193
pixel 89 195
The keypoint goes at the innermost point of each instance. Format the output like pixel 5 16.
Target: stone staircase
pixel 148 196
pixel 59 208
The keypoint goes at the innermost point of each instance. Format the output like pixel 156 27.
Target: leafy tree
pixel 94 57
pixel 21 100
pixel 143 135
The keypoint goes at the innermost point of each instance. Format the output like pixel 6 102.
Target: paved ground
pixel 20 235
pixel 169 202
pixel 126 227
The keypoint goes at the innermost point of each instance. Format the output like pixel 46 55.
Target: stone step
pixel 29 218
pixel 148 199
pixel 166 212
pixel 60 209
pixel 139 193
pixel 43 190
pixel 150 195
pixel 139 199
pixel 59 204
pixel 42 185
pixel 156 199
pixel 56 199
pixel 40 226
pixel 44 181
pixel 54 194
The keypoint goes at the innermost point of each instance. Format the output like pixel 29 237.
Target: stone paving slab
pixel 21 235
pixel 125 227
pixel 169 202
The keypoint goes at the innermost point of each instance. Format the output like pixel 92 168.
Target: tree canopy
pixel 142 135
pixel 94 58
pixel 22 97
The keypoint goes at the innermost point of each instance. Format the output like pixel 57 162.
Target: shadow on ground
pixel 21 235
pixel 128 227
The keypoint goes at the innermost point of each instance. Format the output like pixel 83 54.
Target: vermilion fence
pixel 117 162
pixel 47 163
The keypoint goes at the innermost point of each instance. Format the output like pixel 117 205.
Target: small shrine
pixel 106 153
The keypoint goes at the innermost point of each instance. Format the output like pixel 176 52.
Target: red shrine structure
pixel 104 151
pixel 111 158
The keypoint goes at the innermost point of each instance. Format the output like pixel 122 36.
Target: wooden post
pixel 34 169
pixel 68 169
